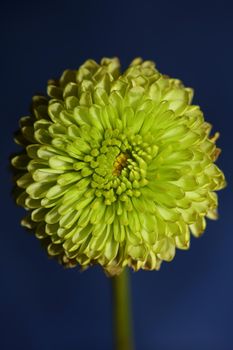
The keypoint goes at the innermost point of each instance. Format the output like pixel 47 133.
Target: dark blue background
pixel 189 303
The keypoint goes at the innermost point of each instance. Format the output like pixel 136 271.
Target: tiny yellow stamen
pixel 119 164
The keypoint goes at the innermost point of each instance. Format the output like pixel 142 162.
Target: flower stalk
pixel 122 311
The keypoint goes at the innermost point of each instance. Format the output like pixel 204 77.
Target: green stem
pixel 122 314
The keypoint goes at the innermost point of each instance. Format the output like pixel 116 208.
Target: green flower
pixel 116 169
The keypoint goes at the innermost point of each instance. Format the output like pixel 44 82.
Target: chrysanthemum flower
pixel 117 169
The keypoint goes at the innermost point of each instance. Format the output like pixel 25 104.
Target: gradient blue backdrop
pixel 188 305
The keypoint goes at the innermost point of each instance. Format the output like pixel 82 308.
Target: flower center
pixel 119 164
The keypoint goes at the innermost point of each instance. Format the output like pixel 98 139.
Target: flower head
pixel 116 169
